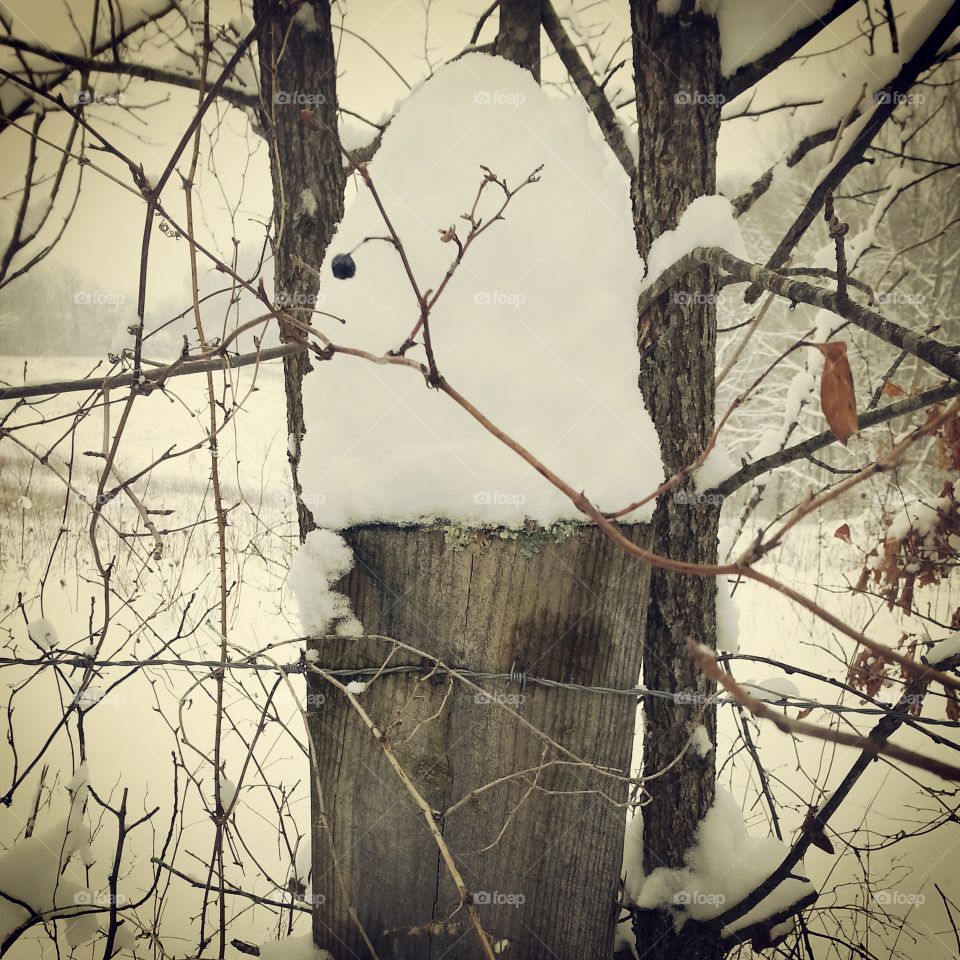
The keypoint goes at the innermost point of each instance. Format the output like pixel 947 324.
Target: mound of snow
pixel 537 327
pixel 726 864
pixel 321 560
pixel 32 871
pixel 707 222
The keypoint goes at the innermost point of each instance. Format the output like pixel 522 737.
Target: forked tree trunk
pixel 541 848
pixel 677 68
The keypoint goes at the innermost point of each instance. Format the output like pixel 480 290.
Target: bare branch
pixel 939 355
pixel 87 65
pixel 800 450
pixel 24 106
pixel 752 73
pixel 589 88
pixel 884 107
pixel 878 737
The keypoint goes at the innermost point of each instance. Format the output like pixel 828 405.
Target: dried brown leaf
pixel 837 396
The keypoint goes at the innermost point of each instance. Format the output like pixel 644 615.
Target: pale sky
pixel 102 243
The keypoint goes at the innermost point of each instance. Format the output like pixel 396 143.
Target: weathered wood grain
pixel 547 845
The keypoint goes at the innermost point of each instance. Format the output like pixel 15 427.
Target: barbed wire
pixel 520 678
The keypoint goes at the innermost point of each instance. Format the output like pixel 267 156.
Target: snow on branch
pixel 938 355
pixel 798 451
pixel 860 134
pixel 746 33
pixel 591 91
pixel 875 743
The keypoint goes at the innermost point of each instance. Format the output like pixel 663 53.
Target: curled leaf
pixel 820 840
pixel 952 705
pixel 837 397
pixel 818 836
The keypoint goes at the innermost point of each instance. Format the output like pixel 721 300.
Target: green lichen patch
pixel 530 538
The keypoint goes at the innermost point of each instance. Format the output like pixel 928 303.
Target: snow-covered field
pixel 128 738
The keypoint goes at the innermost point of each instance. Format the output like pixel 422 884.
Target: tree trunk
pixel 297 71
pixel 540 850
pixel 518 37
pixel 676 63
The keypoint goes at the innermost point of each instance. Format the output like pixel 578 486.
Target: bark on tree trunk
pixel 298 70
pixel 518 38
pixel 676 63
pixel 541 849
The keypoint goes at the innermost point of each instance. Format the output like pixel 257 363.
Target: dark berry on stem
pixel 343 266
